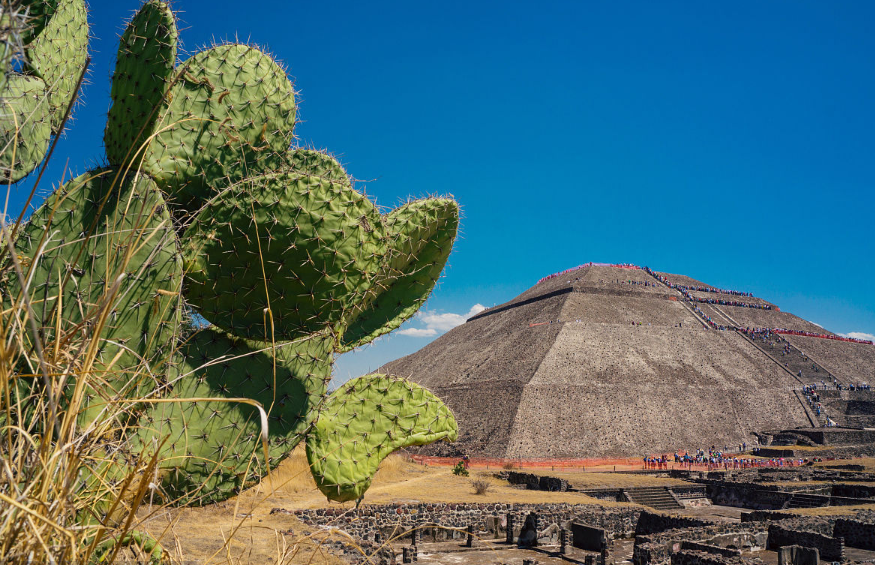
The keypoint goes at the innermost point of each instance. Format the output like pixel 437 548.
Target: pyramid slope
pixel 483 366
pixel 604 361
pixel 688 387
pixel 751 317
pixel 850 362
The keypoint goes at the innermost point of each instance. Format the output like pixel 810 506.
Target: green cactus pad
pixel 23 102
pixel 420 235
pixel 144 66
pixel 314 246
pixel 58 54
pixel 210 444
pixel 317 163
pixel 230 112
pixel 39 13
pixel 365 420
pixel 131 235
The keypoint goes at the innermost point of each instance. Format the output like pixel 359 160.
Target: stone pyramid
pixel 615 361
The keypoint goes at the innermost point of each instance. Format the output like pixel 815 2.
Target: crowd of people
pixel 722 302
pixel 683 288
pixel 708 319
pixel 634 283
pixel 714 459
pixel 813 399
pixel 718 290
pixel 785 331
pixel 822 336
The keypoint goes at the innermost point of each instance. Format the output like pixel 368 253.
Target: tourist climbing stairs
pixel 802 500
pixel 654 497
pixel 805 369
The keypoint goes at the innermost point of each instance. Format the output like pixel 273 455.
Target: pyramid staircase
pixel 655 497
pixel 802 500
pixel 794 360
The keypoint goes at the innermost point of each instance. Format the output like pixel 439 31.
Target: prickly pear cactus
pixel 25 125
pixel 101 252
pixel 280 253
pixel 213 445
pixel 305 248
pixel 143 71
pixel 228 109
pixel 33 104
pixel 58 53
pixel 365 420
pixel 419 236
pixel 317 164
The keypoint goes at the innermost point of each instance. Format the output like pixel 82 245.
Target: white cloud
pixel 439 323
pixel 417 332
pixel 859 335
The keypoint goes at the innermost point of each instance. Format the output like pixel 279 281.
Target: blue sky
pixel 731 142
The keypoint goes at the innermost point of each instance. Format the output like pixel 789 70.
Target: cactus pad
pixel 230 111
pixel 307 247
pixel 210 444
pixel 58 54
pixel 23 103
pixel 144 66
pixel 420 237
pixel 365 420
pixel 92 230
pixel 39 12
pixel 317 163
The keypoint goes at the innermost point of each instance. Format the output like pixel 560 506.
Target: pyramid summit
pixel 619 360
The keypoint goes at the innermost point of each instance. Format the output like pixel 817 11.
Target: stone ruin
pixel 578 364
pixel 598 535
pixel 589 534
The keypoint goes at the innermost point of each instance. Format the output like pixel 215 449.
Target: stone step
pixel 800 500
pixel 655 497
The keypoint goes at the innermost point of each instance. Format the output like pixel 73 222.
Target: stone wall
pixel 838 436
pixel 708 548
pixel 747 496
pixel 588 538
pixel 691 557
pixel 653 523
pixel 830 548
pixel 614 494
pixel 535 482
pixel 765 516
pixel 855 533
pixel 398 520
pixel 658 548
pixel 853 491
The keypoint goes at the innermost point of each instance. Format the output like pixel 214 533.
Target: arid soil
pixel 199 535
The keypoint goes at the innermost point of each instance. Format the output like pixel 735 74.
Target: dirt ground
pixel 243 530
pixel 200 535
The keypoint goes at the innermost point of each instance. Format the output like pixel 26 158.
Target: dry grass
pixel 829 510
pixel 402 481
pixel 67 496
pixel 480 486
pixel 868 463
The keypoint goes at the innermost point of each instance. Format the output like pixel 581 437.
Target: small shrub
pixel 508 466
pixel 480 486
pixel 460 469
